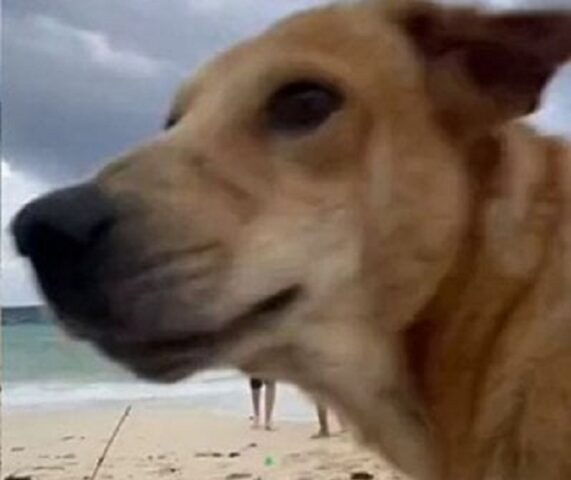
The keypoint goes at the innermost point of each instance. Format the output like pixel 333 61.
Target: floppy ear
pixel 482 67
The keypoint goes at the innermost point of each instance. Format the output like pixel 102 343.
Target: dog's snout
pixel 62 222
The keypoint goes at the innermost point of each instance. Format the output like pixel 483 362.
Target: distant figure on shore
pixel 256 385
pixel 324 422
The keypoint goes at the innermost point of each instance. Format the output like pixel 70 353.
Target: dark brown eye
pixel 301 107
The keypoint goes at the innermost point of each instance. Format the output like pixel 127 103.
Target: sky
pixel 84 80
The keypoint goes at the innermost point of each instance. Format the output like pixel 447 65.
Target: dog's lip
pixel 170 359
pixel 258 313
pixel 154 361
pixel 142 271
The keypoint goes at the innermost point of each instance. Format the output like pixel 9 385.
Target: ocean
pixel 42 368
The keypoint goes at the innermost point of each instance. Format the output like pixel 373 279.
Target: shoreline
pixel 175 405
pixel 220 397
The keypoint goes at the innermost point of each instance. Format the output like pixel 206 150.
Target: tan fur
pixel 430 233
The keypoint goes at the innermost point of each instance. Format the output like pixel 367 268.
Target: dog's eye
pixel 302 106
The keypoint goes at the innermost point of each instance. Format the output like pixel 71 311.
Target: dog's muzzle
pixel 151 316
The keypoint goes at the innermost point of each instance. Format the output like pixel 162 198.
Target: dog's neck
pixel 503 255
pixel 506 258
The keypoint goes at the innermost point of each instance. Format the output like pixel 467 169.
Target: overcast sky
pixel 84 80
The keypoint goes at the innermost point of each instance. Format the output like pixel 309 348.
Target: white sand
pixel 172 442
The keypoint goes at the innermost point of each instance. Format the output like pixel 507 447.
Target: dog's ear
pixel 486 67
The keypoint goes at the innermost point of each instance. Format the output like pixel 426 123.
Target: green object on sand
pixel 269 461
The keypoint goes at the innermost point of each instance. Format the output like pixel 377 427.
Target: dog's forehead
pixel 341 32
pixel 332 27
pixel 199 82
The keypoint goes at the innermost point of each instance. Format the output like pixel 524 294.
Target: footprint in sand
pixel 362 476
pixel 208 455
pixel 168 470
pixel 238 476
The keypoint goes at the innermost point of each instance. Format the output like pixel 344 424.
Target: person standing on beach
pixel 324 422
pixel 256 385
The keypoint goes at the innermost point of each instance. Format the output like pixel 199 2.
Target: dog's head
pixel 305 198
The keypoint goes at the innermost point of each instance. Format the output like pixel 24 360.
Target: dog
pixel 350 202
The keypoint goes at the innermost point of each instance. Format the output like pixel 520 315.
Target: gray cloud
pixel 85 80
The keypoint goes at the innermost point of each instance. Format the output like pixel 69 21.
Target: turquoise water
pixel 38 352
pixel 43 368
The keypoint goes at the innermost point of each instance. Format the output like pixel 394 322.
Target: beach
pixel 62 403
pixel 168 441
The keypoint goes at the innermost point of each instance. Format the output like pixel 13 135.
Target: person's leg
pixel 256 387
pixel 323 424
pixel 270 401
pixel 342 423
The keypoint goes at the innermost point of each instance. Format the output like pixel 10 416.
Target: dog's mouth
pixel 173 358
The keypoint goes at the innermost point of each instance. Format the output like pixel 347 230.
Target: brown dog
pixel 345 202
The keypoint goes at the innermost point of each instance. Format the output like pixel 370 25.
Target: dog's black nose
pixel 64 222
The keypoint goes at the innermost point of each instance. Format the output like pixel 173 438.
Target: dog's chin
pixel 167 358
pixel 163 361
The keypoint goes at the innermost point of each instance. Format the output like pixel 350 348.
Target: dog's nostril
pixel 69 218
